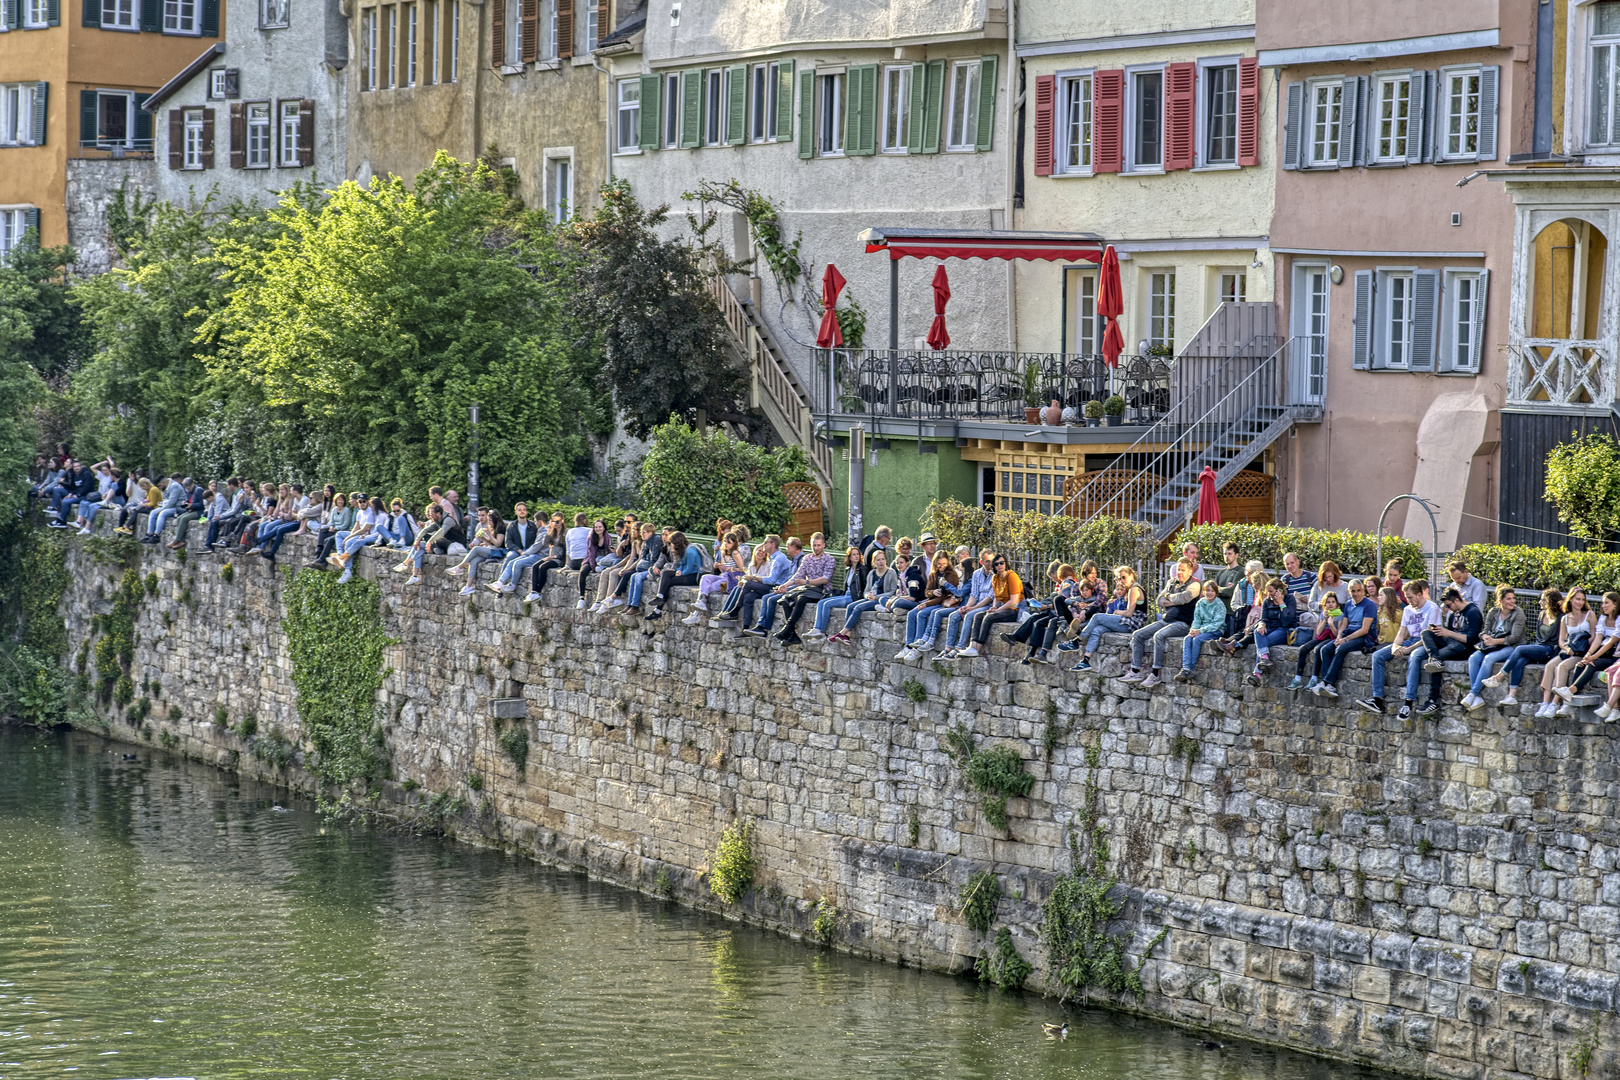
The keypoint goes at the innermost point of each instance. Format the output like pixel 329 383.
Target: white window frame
pixel 1132 74
pixel 13 227
pixel 773 99
pixel 260 149
pixel 35 14
pixel 182 17
pixel 1231 285
pixel 549 51
pixel 17 115
pixel 191 156
pixel 1381 144
pixel 1455 281
pixel 830 112
pixel 963 115
pixel 758 94
pixel 455 41
pixel 1204 128
pixel 1332 119
pixel 273 14
pixel 129 118
pixel 593 32
pixel 1445 117
pixel 1583 83
pixel 713 98
pixel 1392 313
pixel 391 47
pixel 369 30
pixel 1311 303
pixel 1074 116
pixel 725 106
pixel 412 23
pixel 1161 306
pixel 121 15
pixel 558 165
pixel 895 80
pixel 671 134
pixel 628 112
pixel 216 84
pixel 1089 327
pixel 288 122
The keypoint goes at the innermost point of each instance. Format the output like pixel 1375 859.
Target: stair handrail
pixel 1265 366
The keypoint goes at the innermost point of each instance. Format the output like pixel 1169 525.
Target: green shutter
pixel 210 18
pixel 863 96
pixel 691 107
pixel 31 221
pixel 151 16
pixel 41 89
pixel 807 114
pixel 933 107
pixel 647 139
pixel 918 106
pixel 736 132
pixel 987 103
pixel 784 102
pixel 143 123
pixel 53 12
pixel 92 13
pixel 87 117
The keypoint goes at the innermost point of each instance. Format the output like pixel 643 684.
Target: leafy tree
pixel 1583 481
pixel 20 384
pixel 664 347
pixel 689 478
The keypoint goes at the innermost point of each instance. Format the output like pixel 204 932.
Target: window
pixel 1311 324
pixel 672 111
pixel 1162 308
pixel 830 118
pixel 559 188
pixel 216 84
pixel 726 134
pixel 36 14
pixel 191 155
pixel 1220 114
pixel 17 115
pixel 963 126
pixel 391 44
pixel 15 221
pixel 514 33
pixel 180 17
pixel 1603 100
pixel 433 67
pixel 410 44
pixel 257 122
pixel 1074 125
pixel 1033 483
pixel 1392 118
pixel 896 109
pixel 550 51
pixel 1090 326
pixel 629 115
pixel 1459 104
pixel 773 101
pixel 758 101
pixel 1462 320
pixel 455 39
pixel 1324 123
pixel 119 15
pixel 1398 319
pixel 714 108
pixel 368 50
pixel 1233 287
pixel 290 130
pixel 593 32
pixel 272 13
pixel 1145 143
pixel 115 119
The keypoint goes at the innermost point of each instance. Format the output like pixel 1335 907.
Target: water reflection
pixel 158 918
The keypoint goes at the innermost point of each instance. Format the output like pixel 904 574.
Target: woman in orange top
pixel 1008 591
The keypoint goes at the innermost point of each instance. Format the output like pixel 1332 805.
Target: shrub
pixel 1583 481
pixel 979 898
pixel 1355 552
pixel 1541 568
pixel 1108 541
pixel 542 511
pixel 688 479
pixel 733 872
pixel 1003 965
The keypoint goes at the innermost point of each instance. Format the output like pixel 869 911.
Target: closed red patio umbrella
pixel 938 339
pixel 1111 305
pixel 1209 500
pixel 830 335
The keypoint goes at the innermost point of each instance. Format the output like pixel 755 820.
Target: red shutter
pixel 1108 126
pixel 177 139
pixel 1045 95
pixel 565 29
pixel 497 33
pixel 1180 112
pixel 208 139
pixel 529 25
pixel 1248 111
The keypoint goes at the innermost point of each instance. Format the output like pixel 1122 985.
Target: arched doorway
pixel 1561 360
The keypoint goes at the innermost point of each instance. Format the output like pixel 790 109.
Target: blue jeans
pixel 516 563
pixel 1104 623
pixel 853 613
pixel 825 608
pixel 638 582
pixel 1523 657
pixel 160 519
pixel 1193 645
pixel 916 619
pixel 959 627
pixel 1380 662
pixel 478 557
pixel 767 610
pixel 1332 658
pixel 1158 635
pixel 1264 642
pixel 1481 663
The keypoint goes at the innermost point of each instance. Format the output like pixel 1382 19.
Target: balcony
pixel 1561 372
pixel 107 150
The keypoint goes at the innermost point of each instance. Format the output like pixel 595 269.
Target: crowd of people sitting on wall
pixel 951 601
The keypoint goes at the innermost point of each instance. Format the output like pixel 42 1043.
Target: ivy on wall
pixel 336 640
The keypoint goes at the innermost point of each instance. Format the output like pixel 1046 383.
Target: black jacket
pixel 520 534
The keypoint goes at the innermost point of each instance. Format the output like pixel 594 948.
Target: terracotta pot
pixel 1054 413
pixel 1032 416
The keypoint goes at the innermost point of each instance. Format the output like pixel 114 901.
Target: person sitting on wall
pixel 174 496
pixel 683 566
pixel 1419 614
pixel 1502 633
pixel 1328 580
pixel 488 543
pixel 1039 631
pixel 1329 626
pixel 1452 638
pixel 1574 639
pixel 882 586
pixel 1208 624
pixel 554 556
pixel 814 576
pixel 1253 593
pixel 980 596
pixel 1279 615
pixel 730 567
pixel 1176 602
pixel 757 584
pixel 793 549
pixel 628 559
pixel 1539 651
pixel 1471 587
pixel 1124 615
pixel 1006 596
pixel 1602 655
pixel 853 565
pixel 940 596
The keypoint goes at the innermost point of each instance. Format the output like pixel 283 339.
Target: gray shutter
pixel 916 107
pixel 1474 359
pixel 807 114
pixel 1431 114
pixel 31 221
pixel 987 103
pixel 233 82
pixel 1488 79
pixel 53 12
pixel 41 89
pixel 691 108
pixel 933 107
pixel 1361 344
pixel 1349 113
pixel 9 10
pixel 784 101
pixel 736 106
pixel 1425 319
pixel 91 15
pixel 1414 117
pixel 1295 116
pixel 210 18
pixel 143 123
pixel 647 137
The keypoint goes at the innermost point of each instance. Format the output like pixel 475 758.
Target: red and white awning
pixel 983 244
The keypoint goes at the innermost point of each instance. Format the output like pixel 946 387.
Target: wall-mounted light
pixel 1336 274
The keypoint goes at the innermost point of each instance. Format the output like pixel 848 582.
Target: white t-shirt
pixel 577 539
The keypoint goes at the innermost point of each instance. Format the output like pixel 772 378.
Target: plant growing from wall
pixel 514 743
pixel 732 873
pixel 335 638
pixel 1081 950
pixel 825 926
pixel 996 773
pixel 1583 481
pixel 979 898
pixel 1003 965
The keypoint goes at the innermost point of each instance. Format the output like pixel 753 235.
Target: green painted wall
pixel 902 484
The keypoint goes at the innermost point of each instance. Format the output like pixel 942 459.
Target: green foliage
pixel 475 782
pixel 979 898
pixel 33 578
pixel 825 926
pixel 222 718
pixel 1003 965
pixel 335 639
pixel 1039 537
pixel 1541 568
pixel 1081 951
pixel 1355 553
pixel 689 479
pixel 732 872
pixel 124 690
pixel 249 726
pixel 1583 481
pixel 1184 747
pixel 227 573
pixel 913 826
pixel 115 649
pixel 542 511
pixel 764 224
pixel 914 690
pixel 996 774
pixel 514 743
pixel 274 749
pixel 1114 406
pixel 152 583
pixel 663 883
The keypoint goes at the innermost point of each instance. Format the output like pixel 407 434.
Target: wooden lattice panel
pixel 804 510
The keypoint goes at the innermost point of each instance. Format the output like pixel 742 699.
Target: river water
pixel 159 918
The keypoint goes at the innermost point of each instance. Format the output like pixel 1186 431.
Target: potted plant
pixel 1114 410
pixel 1094 412
pixel 1032 392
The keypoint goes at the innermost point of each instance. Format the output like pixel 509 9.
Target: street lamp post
pixel 472 469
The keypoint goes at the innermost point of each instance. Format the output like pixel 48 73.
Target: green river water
pixel 159 918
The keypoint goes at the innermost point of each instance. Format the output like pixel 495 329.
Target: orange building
pixel 73 75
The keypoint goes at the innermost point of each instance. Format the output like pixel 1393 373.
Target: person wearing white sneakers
pixel 1574 638
pixel 940 594
pixel 1609 711
pixel 1176 601
pixel 729 569
pixel 1539 651
pixel 1502 633
pixel 489 543
pixel 1600 657
pixel 1006 594
pixel 980 597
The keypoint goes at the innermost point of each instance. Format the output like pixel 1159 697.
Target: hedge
pixel 1541 568
pixel 542 511
pixel 1039 537
pixel 1354 552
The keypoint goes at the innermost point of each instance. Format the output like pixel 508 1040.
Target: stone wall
pixel 1439 898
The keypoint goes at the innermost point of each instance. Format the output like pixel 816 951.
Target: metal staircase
pixel 1227 419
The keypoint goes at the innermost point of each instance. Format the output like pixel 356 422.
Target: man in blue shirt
pixel 793 553
pixel 778 569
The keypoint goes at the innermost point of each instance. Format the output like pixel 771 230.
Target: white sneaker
pixel 467 590
pixel 970 651
pixel 903 655
pixel 347 574
pixel 456 571
pixel 1133 676
pixel 1510 701
pixel 579 606
pixel 1564 710
pixel 414 579
pixel 613 603
pixel 1602 712
pixel 812 633
pixel 1475 703
pixel 1151 681
pixel 1544 709
pixel 1565 693
pixel 1496 680
pixel 531 598
pixel 694 619
pixel 84 530
pixel 701 604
